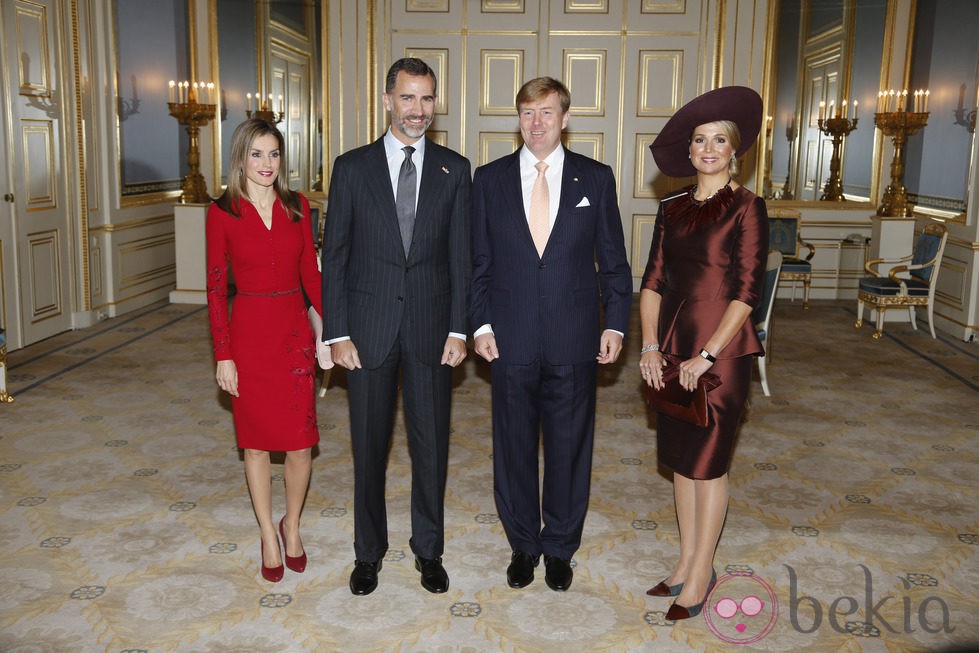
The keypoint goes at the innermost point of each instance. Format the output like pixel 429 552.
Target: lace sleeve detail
pixel 217 282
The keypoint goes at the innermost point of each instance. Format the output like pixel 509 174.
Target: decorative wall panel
pixel 660 82
pixel 40 165
pixel 586 6
pixel 438 59
pixel 502 6
pixel 145 260
pixel 591 144
pixel 584 75
pixel 642 237
pixel 663 6
pixel 493 145
pixel 45 275
pixel 439 136
pixel 501 75
pixel 33 49
pixel 642 181
pixel 426 5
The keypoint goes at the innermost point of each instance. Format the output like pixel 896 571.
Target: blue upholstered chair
pixel 910 284
pixel 784 236
pixel 762 315
pixel 5 397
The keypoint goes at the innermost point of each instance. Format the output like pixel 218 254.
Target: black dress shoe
pixel 434 577
pixel 520 573
pixel 558 573
pixel 363 579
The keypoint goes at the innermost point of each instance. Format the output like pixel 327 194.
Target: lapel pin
pixel 445 170
pixel 575 178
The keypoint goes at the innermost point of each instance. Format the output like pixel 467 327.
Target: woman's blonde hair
pixel 241 144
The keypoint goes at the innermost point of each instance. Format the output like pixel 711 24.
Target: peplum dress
pixel 268 335
pixel 704 255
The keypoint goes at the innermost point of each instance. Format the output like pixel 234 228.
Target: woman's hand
pixel 691 370
pixel 651 367
pixel 227 377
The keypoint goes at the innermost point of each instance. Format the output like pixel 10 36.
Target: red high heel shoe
pixel 298 563
pixel 272 574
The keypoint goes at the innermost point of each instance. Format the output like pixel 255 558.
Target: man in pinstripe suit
pixel 396 271
pixel 543 217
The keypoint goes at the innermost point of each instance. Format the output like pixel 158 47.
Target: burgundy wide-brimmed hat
pixel 739 104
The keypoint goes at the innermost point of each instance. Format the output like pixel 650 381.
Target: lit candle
pixel 832 109
pixel 171 87
pixel 925 108
pixel 281 105
pixel 855 103
pixel 271 106
pixel 904 100
pixel 891 100
pixel 822 107
pixel 844 107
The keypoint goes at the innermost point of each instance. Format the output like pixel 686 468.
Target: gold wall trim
pixel 373 74
pixel 719 42
pixel 128 201
pixel 82 179
pixel 132 224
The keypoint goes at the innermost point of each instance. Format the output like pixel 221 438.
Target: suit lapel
pixel 570 196
pixel 380 184
pixel 512 186
pixel 434 176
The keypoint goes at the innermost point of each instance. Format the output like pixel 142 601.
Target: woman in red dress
pixel 265 354
pixel 703 279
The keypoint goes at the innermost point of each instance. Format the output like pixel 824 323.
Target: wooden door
pixel 37 267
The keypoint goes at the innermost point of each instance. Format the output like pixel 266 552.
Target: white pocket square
pixel 584 202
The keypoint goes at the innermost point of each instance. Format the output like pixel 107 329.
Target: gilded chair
pixel 907 285
pixel 762 315
pixel 5 397
pixel 784 235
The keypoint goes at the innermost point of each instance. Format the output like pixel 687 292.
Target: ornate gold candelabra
pixel 194 116
pixel 837 128
pixel 266 110
pixel 898 125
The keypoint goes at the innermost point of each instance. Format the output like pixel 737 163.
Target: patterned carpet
pixel 854 515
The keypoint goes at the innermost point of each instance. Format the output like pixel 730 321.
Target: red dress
pixel 269 337
pixel 703 255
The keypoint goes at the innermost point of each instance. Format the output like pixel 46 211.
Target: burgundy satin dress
pixel 703 256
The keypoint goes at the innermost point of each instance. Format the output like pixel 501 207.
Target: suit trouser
pixel 558 401
pixel 426 394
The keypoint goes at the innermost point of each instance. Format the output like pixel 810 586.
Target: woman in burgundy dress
pixel 703 279
pixel 265 354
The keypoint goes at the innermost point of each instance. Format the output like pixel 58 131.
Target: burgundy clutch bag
pixel 677 402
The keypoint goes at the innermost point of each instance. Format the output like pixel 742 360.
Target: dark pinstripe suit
pixel 398 312
pixel 545 314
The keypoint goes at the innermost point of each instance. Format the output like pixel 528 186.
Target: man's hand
pixel 609 348
pixel 454 351
pixel 345 354
pixel 486 347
